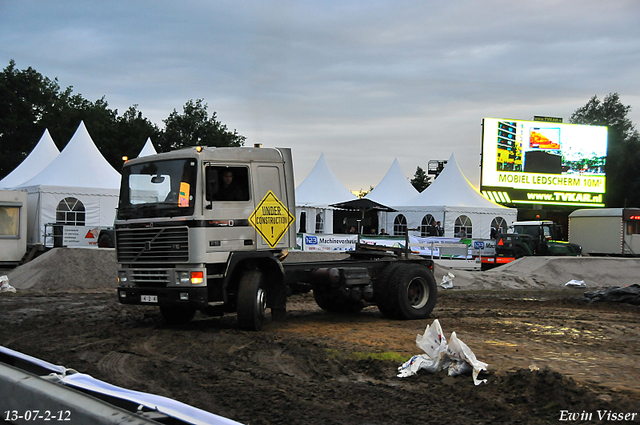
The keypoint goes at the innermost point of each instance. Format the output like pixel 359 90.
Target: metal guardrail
pixel 35 391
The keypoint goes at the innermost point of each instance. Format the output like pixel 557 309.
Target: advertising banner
pixel 80 236
pixel 429 247
pixel 319 242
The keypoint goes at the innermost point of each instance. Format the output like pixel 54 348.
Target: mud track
pixel 548 351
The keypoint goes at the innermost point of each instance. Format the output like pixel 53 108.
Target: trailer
pixel 606 231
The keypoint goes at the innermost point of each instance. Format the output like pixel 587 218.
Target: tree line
pixel 31 103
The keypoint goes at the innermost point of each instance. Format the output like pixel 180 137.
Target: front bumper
pixel 193 297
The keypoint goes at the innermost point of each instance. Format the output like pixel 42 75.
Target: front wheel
pixel 252 301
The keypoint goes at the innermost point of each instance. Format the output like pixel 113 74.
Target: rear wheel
pixel 410 293
pixel 177 315
pixel 252 301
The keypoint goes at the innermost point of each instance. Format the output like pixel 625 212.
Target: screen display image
pixel 536 162
pixel 544 138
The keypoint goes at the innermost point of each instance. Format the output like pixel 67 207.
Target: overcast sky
pixel 362 81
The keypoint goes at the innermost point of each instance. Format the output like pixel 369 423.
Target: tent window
pixel 498 225
pixel 320 222
pixel 463 227
pixel 400 225
pixel 70 211
pixel 428 226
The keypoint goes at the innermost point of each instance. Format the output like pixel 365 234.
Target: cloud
pixel 363 82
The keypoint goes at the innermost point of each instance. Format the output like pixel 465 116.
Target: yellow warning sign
pixel 271 219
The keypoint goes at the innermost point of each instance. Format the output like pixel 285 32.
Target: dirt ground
pixel 549 352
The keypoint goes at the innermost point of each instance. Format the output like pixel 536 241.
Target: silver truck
pixel 207 229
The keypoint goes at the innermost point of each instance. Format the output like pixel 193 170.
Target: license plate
pixel 149 298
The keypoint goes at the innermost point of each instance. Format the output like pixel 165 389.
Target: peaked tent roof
pixel 321 187
pixel 80 164
pixel 147 149
pixel 452 188
pixel 42 155
pixel 394 189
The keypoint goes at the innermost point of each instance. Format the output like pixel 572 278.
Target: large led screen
pixel 537 162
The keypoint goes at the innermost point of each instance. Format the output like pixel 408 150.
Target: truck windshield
pixel 158 189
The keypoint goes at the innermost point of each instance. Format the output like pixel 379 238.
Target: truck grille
pixel 149 277
pixel 153 245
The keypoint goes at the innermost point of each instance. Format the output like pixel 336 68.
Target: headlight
pixel 122 277
pixel 183 277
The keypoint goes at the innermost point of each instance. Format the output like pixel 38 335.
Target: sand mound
pixel 549 273
pixel 95 270
pixel 67 270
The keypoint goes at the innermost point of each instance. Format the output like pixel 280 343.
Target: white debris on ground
pixel 4 285
pixel 447 281
pixel 455 357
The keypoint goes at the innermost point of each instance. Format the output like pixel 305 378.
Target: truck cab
pixel 201 229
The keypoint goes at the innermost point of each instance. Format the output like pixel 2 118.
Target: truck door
pixel 269 178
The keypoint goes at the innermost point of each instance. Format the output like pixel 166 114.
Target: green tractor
pixel 534 238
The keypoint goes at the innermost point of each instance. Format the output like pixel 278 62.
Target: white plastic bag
pixel 4 285
pixel 433 340
pixel 577 283
pixel 459 352
pixel 414 364
pixel 434 344
pixel 447 281
pixel 456 357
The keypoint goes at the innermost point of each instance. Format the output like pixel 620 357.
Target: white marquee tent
pixel 79 187
pixel 40 157
pixel 452 200
pixel 147 149
pixel 394 188
pixel 320 189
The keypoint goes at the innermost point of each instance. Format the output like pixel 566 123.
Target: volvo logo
pixel 147 246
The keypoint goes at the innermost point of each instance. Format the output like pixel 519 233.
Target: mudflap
pixel 277 295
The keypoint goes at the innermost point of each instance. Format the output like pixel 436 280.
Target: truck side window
pixel 227 183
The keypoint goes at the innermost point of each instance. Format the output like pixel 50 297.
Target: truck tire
pixel 177 315
pixel 411 292
pixel 252 300
pixel 382 293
